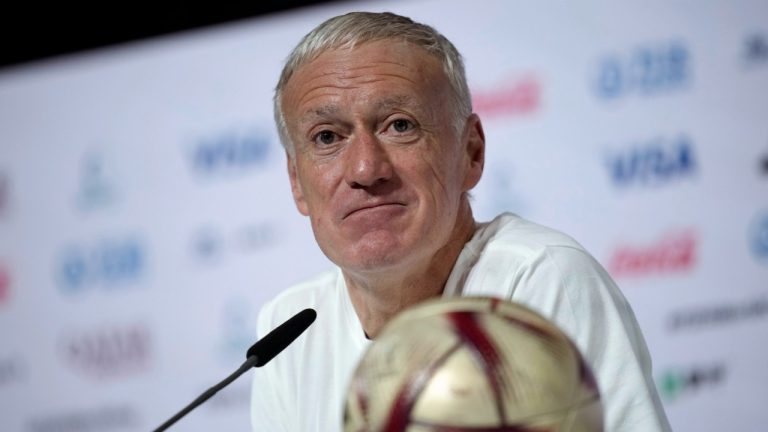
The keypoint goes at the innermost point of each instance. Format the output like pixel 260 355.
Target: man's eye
pixel 401 125
pixel 325 137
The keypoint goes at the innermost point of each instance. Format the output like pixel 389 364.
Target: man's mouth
pixel 360 210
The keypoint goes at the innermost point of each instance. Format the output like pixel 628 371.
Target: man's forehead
pixel 381 58
pixel 383 103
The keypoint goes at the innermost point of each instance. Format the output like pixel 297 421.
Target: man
pixel 383 149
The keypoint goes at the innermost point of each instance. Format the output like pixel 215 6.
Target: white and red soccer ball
pixel 472 364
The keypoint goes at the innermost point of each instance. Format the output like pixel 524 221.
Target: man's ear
pixel 298 193
pixel 474 146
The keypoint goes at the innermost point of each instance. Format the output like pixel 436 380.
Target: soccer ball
pixel 472 364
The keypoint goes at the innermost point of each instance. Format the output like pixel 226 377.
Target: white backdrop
pixel 145 212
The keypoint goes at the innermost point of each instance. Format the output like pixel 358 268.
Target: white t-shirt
pixel 304 388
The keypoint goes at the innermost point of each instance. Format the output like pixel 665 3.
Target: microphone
pixel 266 348
pixel 259 354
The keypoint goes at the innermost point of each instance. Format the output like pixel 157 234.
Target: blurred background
pixel 145 212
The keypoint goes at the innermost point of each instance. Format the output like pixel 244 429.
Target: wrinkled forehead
pixel 366 57
pixel 399 72
pixel 350 45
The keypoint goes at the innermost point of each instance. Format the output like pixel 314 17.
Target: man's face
pixel 378 166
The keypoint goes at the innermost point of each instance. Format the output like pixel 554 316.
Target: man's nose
pixel 367 162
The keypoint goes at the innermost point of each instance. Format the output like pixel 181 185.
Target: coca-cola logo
pixel 109 351
pixel 5 284
pixel 676 252
pixel 514 96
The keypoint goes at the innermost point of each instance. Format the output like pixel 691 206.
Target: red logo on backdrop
pixel 108 352
pixel 5 285
pixel 674 253
pixel 512 97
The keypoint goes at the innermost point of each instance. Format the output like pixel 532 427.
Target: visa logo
pixel 108 264
pixel 644 70
pixel 653 163
pixel 231 152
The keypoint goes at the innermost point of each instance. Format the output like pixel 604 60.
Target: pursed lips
pixel 368 206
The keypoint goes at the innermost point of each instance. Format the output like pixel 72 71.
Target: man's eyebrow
pixel 321 111
pixel 395 102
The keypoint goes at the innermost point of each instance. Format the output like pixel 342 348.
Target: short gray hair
pixel 356 28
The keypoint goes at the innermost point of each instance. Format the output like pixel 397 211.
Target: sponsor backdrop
pixel 145 212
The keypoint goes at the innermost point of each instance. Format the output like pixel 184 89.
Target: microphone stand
pixel 257 355
pixel 249 363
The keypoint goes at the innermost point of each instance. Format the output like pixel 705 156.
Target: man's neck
pixel 379 297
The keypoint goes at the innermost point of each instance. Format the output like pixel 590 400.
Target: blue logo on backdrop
pixel 12 370
pixel 238 329
pixel 207 243
pixel 256 236
pixel 756 49
pixel 109 264
pixel 210 244
pixel 758 236
pixel 503 194
pixel 645 70
pixel 232 152
pixel 653 163
pixel 96 184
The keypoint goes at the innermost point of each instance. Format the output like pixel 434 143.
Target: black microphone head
pixel 266 348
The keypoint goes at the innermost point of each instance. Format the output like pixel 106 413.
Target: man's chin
pixel 374 254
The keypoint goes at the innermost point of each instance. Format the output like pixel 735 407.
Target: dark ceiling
pixel 32 30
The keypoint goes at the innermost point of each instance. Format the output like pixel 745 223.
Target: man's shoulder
pixel 513 234
pixel 502 252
